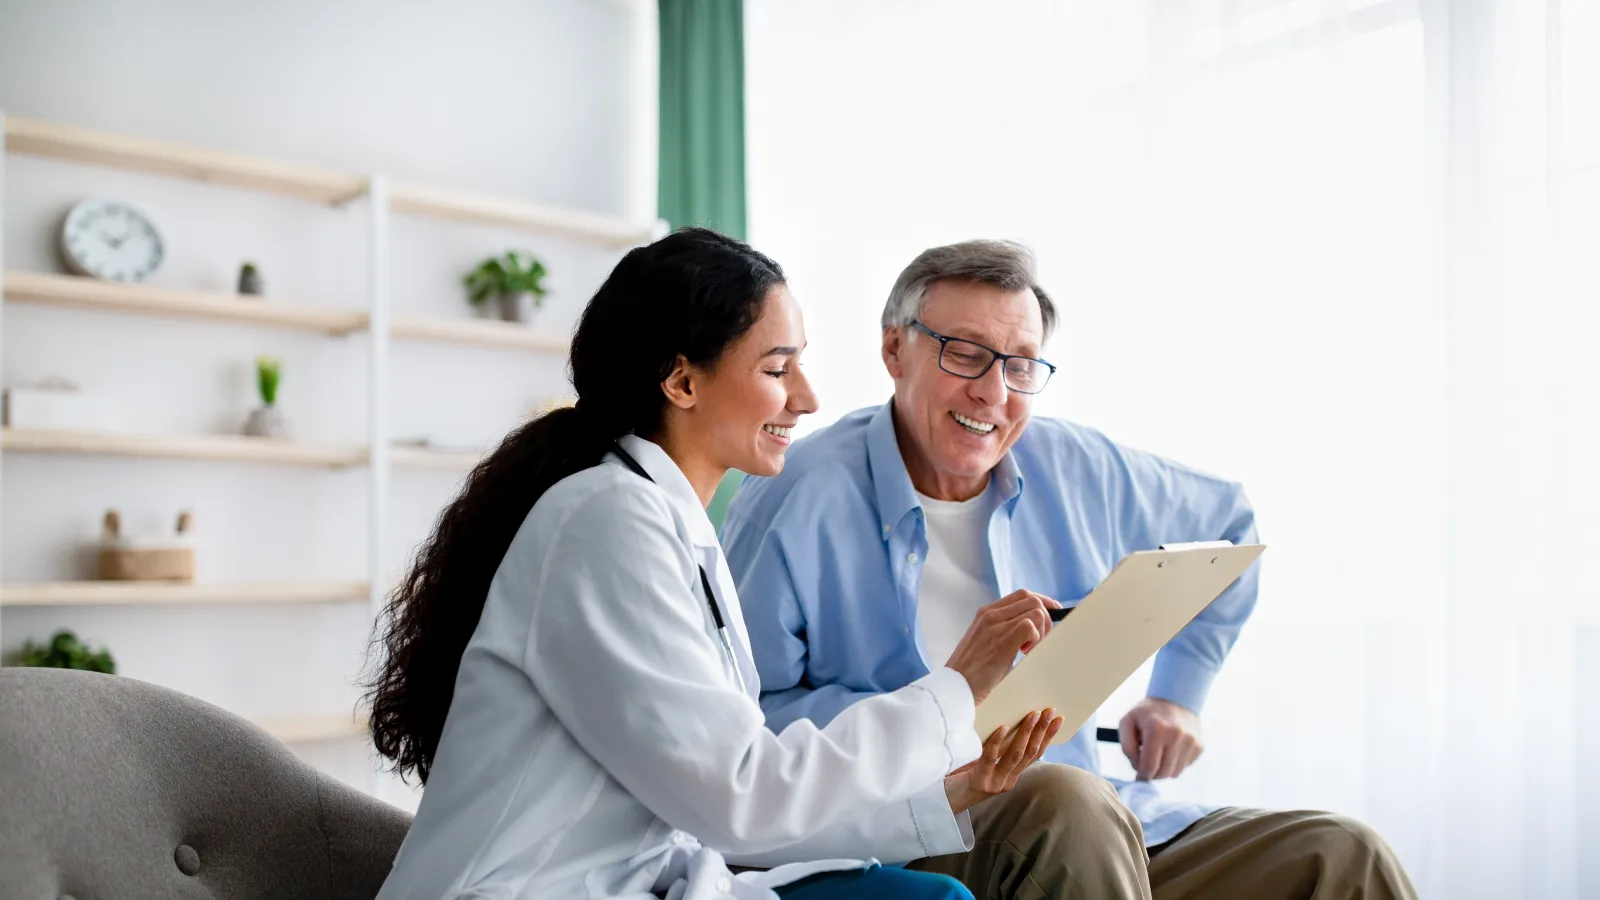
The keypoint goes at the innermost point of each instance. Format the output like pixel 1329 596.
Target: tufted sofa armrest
pixel 116 788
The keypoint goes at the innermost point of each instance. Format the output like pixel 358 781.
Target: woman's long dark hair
pixel 690 294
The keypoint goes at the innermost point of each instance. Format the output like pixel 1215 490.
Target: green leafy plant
pixel 65 651
pixel 267 374
pixel 513 272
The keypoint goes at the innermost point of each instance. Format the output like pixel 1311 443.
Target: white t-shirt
pixel 955 576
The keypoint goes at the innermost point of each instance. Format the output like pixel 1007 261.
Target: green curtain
pixel 702 114
pixel 701 158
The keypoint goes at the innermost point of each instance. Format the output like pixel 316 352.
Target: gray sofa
pixel 116 789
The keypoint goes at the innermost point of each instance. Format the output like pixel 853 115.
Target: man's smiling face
pixel 953 431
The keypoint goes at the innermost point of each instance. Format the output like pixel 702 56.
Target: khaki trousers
pixel 1063 833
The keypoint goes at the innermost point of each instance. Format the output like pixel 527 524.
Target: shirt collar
pixel 666 473
pixel 892 483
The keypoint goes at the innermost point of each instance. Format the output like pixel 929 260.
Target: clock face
pixel 112 240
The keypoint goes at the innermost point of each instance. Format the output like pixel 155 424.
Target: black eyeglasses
pixel 965 359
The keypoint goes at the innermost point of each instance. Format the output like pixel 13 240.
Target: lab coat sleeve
pixel 620 648
pixel 898 833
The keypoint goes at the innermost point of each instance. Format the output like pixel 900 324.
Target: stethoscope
pixel 705 582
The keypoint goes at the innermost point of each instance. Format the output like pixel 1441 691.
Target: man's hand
pixel 1160 738
pixel 1015 622
pixel 1004 758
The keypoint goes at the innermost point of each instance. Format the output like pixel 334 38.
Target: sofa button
pixel 188 860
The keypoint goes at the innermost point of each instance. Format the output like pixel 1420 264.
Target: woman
pixel 567 668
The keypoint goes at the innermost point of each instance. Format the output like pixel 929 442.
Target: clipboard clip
pixel 1194 545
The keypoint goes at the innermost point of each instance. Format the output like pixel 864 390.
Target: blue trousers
pixel 876 883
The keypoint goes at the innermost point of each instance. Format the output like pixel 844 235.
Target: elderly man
pixel 866 560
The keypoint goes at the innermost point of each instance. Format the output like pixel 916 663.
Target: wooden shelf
pixel 123 593
pixel 302 729
pixel 36 138
pixel 56 141
pixel 421 458
pixel 483 209
pixel 477 332
pixel 92 293
pixel 67 142
pixel 221 447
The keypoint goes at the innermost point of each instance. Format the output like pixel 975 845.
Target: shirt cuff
pixel 939 829
pixel 953 696
pixel 1179 677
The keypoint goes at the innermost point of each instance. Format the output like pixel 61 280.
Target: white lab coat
pixel 598 746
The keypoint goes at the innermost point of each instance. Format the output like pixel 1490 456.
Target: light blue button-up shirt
pixel 828 557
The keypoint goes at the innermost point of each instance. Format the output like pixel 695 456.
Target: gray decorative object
pixel 267 422
pixel 519 306
pixel 250 279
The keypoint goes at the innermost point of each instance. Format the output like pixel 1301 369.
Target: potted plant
pixel 267 420
pixel 250 279
pixel 65 651
pixel 514 280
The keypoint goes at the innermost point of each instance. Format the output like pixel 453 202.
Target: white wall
pixel 538 100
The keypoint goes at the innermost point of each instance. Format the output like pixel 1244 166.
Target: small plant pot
pixel 250 281
pixel 518 307
pixel 266 422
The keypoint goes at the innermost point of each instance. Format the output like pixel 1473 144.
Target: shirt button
pixel 886 528
pixel 679 837
pixel 725 885
pixel 912 557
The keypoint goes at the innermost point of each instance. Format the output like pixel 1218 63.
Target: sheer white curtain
pixel 1347 252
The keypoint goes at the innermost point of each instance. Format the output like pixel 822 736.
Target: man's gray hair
pixel 1005 264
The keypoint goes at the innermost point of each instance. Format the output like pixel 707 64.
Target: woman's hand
pixel 1013 623
pixel 1003 760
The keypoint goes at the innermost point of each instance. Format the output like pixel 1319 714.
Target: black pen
pixel 1057 615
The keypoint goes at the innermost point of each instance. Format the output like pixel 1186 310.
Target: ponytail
pixel 431 616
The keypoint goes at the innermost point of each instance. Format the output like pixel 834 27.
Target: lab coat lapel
pixel 706 549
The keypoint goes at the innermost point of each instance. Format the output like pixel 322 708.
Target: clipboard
pixel 1146 600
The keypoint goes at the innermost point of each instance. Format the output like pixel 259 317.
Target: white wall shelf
pixel 225 448
pixel 477 332
pixel 217 447
pixel 305 729
pixel 73 291
pixel 57 141
pixel 123 593
pixel 108 296
pixel 483 209
pixel 422 458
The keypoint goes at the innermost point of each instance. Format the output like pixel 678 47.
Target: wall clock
pixel 110 239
